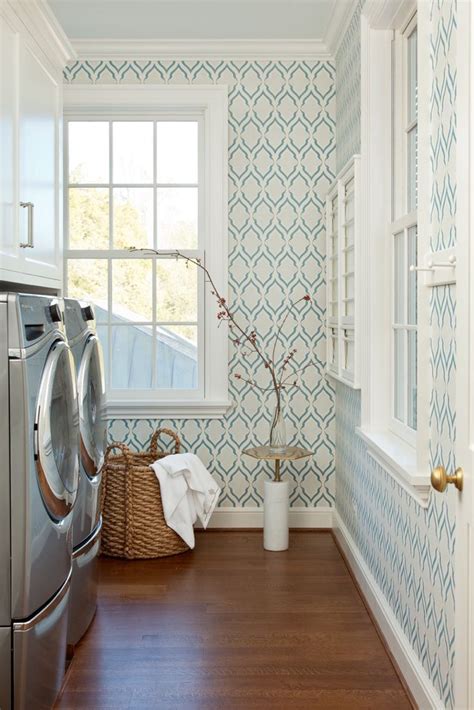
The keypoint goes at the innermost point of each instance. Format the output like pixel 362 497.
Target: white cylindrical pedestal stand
pixel 275 515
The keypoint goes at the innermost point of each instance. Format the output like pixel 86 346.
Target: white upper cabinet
pixel 343 254
pixel 33 56
pixel 9 254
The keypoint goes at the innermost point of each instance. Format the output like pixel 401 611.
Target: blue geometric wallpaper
pixel 281 162
pixel 348 92
pixel 410 549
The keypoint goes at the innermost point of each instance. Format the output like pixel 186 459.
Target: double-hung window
pixel 395 372
pixel 403 234
pixel 146 170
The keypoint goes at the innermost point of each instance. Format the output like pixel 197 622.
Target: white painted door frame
pixel 464 563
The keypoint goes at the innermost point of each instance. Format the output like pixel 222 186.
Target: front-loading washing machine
pixel 87 352
pixel 38 485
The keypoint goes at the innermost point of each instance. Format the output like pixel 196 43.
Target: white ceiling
pixel 198 19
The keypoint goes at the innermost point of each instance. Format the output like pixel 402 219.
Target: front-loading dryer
pixel 38 484
pixel 87 352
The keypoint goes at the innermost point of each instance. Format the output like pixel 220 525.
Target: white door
pixel 464 565
pixel 39 123
pixel 10 254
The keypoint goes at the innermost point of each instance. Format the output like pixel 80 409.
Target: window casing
pixel 342 249
pixel 140 187
pixel 394 233
pixel 404 234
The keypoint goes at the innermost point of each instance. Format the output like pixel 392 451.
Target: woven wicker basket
pixel 133 525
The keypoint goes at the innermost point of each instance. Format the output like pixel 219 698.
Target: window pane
pixel 349 235
pixel 349 350
pixel 88 218
pixel 334 217
pixel 399 369
pixel 176 290
pixel 87 281
pixel 133 217
pixel 412 277
pixel 333 342
pixel 349 308
pixel 349 287
pixel 177 152
pixel 349 260
pixel 133 152
pixel 177 218
pixel 350 207
pixel 132 290
pixel 399 278
pixel 176 357
pixel 411 379
pixel 88 151
pixel 412 76
pixel 103 333
pixel 132 357
pixel 412 158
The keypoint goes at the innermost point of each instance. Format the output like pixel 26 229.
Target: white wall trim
pixel 341 18
pixel 174 409
pixel 40 22
pixel 179 49
pixel 253 518
pixel 413 672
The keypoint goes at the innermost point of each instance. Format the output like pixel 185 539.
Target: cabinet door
pixel 39 124
pixel 10 255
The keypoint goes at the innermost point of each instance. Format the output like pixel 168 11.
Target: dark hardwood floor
pixel 232 626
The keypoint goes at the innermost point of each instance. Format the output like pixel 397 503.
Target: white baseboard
pixel 253 518
pixel 413 672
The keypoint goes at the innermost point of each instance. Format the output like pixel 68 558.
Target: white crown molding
pixel 338 26
pixel 39 20
pixel 387 14
pixel 179 49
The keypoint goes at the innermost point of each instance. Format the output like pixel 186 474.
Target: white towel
pixel 188 492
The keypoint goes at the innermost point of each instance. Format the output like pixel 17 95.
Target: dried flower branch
pixel 241 337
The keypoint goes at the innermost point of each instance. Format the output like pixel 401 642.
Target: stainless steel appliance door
pixel 91 398
pixel 5 668
pixel 39 654
pixel 56 433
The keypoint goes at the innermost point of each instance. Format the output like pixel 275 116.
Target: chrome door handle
pixel 30 207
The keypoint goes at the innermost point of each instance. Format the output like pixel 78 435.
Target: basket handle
pixel 126 454
pixel 157 434
pixel 117 445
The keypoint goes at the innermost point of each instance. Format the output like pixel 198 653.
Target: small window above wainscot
pixel 342 274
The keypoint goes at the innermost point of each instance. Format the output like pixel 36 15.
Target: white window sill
pixel 344 380
pixel 399 460
pixel 173 409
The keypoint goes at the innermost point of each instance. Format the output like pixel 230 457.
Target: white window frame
pixel 406 458
pixel 209 106
pixel 403 219
pixel 345 326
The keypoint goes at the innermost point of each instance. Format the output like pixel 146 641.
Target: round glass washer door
pixel 56 428
pixel 91 397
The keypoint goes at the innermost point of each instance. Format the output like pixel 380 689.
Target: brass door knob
pixel 440 479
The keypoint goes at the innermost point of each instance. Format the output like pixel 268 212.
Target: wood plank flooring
pixel 230 626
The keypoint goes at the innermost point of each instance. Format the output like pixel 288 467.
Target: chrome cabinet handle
pixel 30 207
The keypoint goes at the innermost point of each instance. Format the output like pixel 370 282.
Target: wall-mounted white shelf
pixel 342 266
